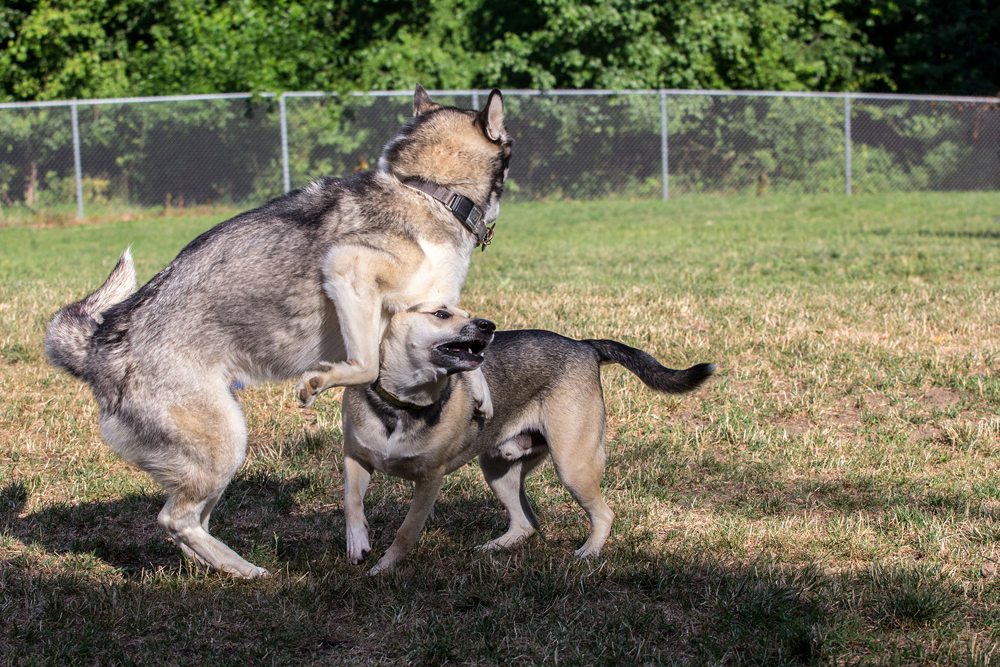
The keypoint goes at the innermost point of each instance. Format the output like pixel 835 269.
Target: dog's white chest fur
pixel 395 454
pixel 440 276
pixel 392 447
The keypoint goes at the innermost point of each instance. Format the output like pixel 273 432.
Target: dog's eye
pixel 443 314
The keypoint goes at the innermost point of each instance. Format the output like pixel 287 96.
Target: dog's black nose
pixel 484 325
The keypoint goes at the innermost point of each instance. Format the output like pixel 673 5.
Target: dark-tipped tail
pixel 653 374
pixel 67 339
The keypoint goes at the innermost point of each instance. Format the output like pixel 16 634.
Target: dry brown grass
pixel 832 496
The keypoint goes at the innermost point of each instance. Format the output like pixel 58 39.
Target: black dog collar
pixel 464 209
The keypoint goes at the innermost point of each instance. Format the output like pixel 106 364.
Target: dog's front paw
pixel 311 384
pixel 509 539
pixel 389 560
pixel 358 547
pixel 383 565
pixel 492 545
pixel 484 407
pixel 480 392
pixel 585 552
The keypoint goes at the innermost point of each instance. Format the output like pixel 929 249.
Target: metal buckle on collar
pixel 475 215
pixel 488 238
pixel 465 209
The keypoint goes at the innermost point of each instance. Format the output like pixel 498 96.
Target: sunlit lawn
pixel 831 496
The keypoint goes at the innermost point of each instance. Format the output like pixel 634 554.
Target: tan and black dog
pixel 419 420
pixel 303 286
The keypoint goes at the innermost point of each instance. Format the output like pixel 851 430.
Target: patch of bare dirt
pixel 875 402
pixel 924 434
pixel 940 398
pixel 795 425
pixel 846 417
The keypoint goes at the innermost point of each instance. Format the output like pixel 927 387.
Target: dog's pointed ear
pixel 422 102
pixel 491 117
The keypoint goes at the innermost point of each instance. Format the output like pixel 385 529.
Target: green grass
pixel 833 495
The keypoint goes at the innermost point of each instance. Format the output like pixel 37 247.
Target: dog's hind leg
pixel 180 516
pixel 576 443
pixel 192 449
pixel 206 513
pixel 506 480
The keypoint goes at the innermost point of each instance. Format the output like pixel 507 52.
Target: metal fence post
pixel 847 143
pixel 475 100
pixel 284 144
pixel 76 161
pixel 663 145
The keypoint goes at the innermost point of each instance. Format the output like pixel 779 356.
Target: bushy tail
pixel 649 370
pixel 67 339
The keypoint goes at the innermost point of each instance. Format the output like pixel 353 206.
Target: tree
pixel 750 44
pixel 56 49
pixel 930 46
pixel 52 49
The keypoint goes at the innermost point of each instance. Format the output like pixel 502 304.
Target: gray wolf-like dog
pixel 302 286
pixel 419 420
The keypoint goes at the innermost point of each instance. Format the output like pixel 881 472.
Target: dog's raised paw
pixel 312 383
pixel 306 397
pixel 485 409
pixel 308 389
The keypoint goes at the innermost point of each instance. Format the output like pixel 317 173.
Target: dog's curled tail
pixel 67 340
pixel 653 374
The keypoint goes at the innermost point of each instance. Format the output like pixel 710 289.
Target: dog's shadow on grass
pixel 766 614
pixel 124 532
pixel 258 512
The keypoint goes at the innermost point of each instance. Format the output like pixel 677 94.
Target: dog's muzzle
pixel 468 349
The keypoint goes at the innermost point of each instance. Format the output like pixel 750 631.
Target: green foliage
pixel 924 46
pixel 205 46
pixel 52 49
pixel 207 151
pixel 57 49
pixel 739 44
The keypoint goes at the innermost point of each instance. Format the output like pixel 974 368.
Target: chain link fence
pixel 94 157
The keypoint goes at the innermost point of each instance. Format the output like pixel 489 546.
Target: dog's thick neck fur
pixel 417 387
pixel 446 161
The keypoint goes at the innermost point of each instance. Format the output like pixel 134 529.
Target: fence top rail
pixel 514 92
pixel 746 93
pixel 133 100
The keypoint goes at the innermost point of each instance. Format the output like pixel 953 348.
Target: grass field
pixel 831 497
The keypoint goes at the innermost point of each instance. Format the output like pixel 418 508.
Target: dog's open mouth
pixel 468 351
